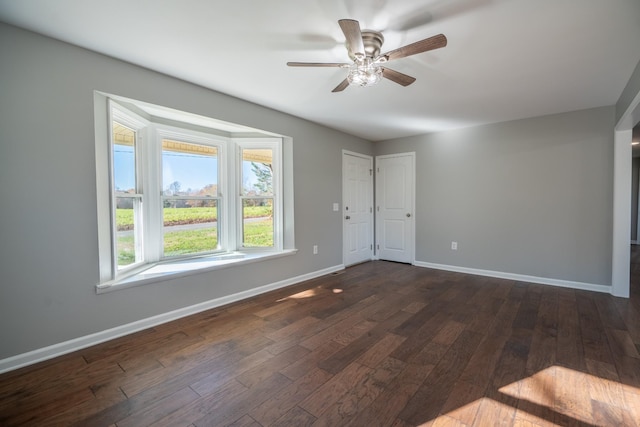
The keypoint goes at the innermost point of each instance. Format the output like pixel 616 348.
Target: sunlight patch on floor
pixel 554 396
pixel 310 293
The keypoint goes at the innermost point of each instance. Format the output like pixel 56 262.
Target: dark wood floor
pixel 380 344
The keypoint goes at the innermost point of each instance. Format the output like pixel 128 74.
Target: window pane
pixel 257 222
pixel 190 226
pixel 126 236
pixel 189 169
pixel 124 159
pixel 257 172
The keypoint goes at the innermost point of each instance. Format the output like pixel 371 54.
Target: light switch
pixel 336 207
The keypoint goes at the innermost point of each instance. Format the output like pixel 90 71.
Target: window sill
pixel 174 269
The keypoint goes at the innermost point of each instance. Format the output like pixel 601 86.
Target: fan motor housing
pixel 372 41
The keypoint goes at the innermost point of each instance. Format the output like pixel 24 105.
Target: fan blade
pixel 355 45
pixel 317 64
pixel 398 77
pixel 425 45
pixel 342 86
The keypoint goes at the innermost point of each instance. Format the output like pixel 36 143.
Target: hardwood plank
pixel 380 344
pixel 544 336
pixel 429 399
pixel 348 336
pixel 594 337
pixel 609 314
pixel 21 382
pixel 216 401
pixel 414 307
pixel 630 315
pixel 120 345
pixel 134 359
pixel 310 361
pixel 480 369
pixel 527 315
pixel 356 400
pixel 435 349
pixel 609 415
pixel 209 383
pixel 384 410
pixel 334 389
pixel 419 337
pixel 380 350
pixel 502 322
pixel 383 309
pixel 461 403
pixel 60 394
pixel 415 322
pixel 569 350
pixel 245 421
pixel 572 395
pixel 446 421
pixel 160 409
pixel 297 335
pixel 187 367
pixel 251 377
pixel 84 410
pixel 605 391
pixel 279 306
pixel 329 333
pixel 620 343
pixel 296 417
pixel 483 315
pixel 536 396
pixel 343 357
pixel 244 402
pixel 277 406
pixel 493 412
pixel 39 410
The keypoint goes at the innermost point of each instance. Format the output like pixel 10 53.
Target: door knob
pixel 347 217
pixel 408 215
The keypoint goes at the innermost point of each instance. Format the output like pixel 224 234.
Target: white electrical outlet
pixel 315 249
pixel 454 246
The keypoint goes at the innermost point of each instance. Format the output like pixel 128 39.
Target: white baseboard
pixel 49 352
pixel 518 277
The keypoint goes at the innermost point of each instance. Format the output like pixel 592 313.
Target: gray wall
pixel 49 255
pixel 529 197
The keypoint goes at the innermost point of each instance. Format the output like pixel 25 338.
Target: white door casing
pixel 395 178
pixel 357 207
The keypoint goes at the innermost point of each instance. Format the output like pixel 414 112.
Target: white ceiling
pixel 505 59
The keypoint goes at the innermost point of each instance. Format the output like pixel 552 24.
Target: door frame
pixel 412 244
pixel 622 157
pixel 371 195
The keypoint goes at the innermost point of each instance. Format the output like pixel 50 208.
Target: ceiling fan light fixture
pixel 364 73
pixel 368 67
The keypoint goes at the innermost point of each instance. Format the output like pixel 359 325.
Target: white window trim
pixel 157 269
pixel 140 125
pixel 275 145
pixel 168 270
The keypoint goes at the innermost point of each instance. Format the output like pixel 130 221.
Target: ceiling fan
pixel 364 50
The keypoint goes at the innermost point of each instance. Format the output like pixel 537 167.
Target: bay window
pixel 172 190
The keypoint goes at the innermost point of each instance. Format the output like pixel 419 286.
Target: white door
pixel 357 207
pixel 394 207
